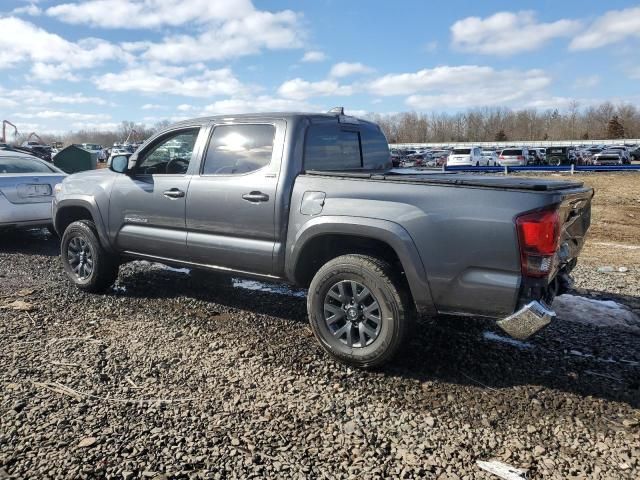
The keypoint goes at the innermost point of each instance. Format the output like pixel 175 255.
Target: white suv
pixel 514 157
pixel 467 156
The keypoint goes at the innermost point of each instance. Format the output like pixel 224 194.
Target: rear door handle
pixel 173 193
pixel 255 197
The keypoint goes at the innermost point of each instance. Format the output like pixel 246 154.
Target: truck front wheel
pixel 359 310
pixel 85 262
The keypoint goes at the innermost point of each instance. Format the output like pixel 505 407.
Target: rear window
pixel 23 165
pixel 512 152
pixel 330 148
pixel 375 148
pixel 461 151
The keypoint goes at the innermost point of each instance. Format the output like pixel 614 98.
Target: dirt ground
pixel 171 375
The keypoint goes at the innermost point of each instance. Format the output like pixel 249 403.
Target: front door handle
pixel 255 197
pixel 173 193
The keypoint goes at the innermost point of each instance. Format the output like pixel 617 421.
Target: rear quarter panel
pixel 465 236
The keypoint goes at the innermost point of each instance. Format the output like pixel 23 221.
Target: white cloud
pixel 135 14
pixel 588 81
pixel 463 86
pixel 22 41
pixel 70 116
pixel 226 29
pixel 345 69
pixel 31 9
pixel 152 106
pixel 237 37
pixel 634 74
pixel 314 56
pixel 46 72
pixel 456 77
pixel 33 97
pixel 262 103
pixel 184 107
pixel 507 33
pixel 95 126
pixel 299 89
pixel 612 27
pixel 205 84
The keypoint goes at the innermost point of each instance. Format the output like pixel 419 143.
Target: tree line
pixel 603 121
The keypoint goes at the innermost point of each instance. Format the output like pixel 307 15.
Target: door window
pixel 238 149
pixel 331 148
pixel 171 155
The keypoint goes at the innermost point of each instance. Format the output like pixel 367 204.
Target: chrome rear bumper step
pixel 527 321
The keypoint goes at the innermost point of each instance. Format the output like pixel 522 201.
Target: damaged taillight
pixel 538 234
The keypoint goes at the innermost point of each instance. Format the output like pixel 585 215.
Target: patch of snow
pixel 119 288
pixel 494 337
pixel 178 270
pixel 278 288
pixel 502 470
pixel 601 313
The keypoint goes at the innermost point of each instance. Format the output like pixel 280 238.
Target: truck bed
pixel 439 178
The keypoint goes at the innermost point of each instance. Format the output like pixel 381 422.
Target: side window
pixel 236 149
pixel 327 147
pixel 171 155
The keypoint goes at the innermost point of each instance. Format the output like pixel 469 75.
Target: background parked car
pixel 608 157
pixel 468 156
pixel 561 156
pixel 624 152
pixel 514 157
pixel 26 189
pixel 491 157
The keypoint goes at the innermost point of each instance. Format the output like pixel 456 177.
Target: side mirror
pixel 119 164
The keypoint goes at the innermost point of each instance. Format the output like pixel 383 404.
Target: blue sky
pixel 93 63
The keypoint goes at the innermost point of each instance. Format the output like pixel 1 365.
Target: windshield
pixel 24 165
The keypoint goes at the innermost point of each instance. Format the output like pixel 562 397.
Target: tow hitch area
pixel 527 321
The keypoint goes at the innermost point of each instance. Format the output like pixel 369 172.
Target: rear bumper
pixel 527 321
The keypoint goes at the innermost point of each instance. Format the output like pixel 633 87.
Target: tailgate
pixel 575 213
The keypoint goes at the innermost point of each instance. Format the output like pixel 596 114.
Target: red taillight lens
pixel 501 157
pixel 538 234
pixel 520 157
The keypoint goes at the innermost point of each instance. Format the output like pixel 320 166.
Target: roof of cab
pixel 265 116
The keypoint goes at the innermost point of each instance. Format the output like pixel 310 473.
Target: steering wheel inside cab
pixel 177 165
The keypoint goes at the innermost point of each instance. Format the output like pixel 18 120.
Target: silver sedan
pixel 26 189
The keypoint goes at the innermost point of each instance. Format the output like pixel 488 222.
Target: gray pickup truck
pixel 311 199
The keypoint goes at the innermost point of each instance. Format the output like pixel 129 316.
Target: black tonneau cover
pixel 509 183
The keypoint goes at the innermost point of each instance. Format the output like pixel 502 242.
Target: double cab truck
pixel 312 199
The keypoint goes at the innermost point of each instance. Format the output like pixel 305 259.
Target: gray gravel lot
pixel 173 375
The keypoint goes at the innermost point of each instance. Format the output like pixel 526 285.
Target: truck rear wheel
pixel 359 310
pixel 89 266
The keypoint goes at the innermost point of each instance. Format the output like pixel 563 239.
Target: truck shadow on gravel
pixel 567 356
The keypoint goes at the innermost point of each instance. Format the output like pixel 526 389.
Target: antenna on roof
pixel 337 110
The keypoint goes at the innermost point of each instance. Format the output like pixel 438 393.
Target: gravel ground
pixel 172 375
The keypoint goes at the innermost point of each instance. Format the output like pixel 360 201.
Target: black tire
pixel 104 266
pixel 396 309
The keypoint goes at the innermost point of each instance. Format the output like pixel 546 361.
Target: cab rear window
pixel 331 147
